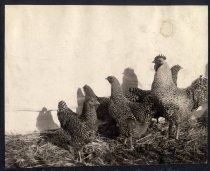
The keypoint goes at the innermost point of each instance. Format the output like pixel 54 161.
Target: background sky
pixel 51 51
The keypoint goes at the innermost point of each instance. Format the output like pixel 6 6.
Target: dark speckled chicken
pixel 81 131
pixel 108 128
pixel 102 110
pixel 130 117
pixel 89 115
pixel 120 110
pixel 142 111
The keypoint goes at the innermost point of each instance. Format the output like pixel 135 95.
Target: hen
pixel 108 128
pixel 130 117
pixel 81 131
pixel 140 95
pixel 102 110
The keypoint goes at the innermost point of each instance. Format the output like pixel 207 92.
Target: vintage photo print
pixel 89 85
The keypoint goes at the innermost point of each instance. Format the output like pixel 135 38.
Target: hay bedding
pixel 52 149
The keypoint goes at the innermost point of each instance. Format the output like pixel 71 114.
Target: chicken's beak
pixel 97 103
pixel 106 78
pixel 153 61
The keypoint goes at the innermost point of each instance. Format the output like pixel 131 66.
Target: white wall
pixel 53 50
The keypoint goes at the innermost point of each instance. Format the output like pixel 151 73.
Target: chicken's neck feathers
pixel 90 110
pixel 116 91
pixel 163 77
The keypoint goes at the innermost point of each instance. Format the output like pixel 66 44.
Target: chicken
pixel 108 126
pixel 102 110
pixel 133 97
pixel 128 115
pixel 120 111
pixel 175 103
pixel 86 114
pixel 81 131
pixel 89 114
pixel 139 95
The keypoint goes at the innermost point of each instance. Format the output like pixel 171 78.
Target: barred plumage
pixel 131 117
pixel 145 95
pixel 175 103
pixel 102 110
pixel 132 97
pixel 81 131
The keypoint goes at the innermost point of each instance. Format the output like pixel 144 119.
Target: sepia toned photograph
pixel 89 85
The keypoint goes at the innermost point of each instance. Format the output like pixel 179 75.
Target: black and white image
pixel 105 85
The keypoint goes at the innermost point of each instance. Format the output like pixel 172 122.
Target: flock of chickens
pixel 131 113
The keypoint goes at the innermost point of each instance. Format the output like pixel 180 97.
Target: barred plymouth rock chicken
pixel 130 117
pixel 102 110
pixel 175 103
pixel 108 128
pixel 81 131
